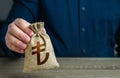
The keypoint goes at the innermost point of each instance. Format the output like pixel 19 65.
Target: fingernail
pixel 43 30
pixel 23 46
pixel 26 39
pixel 31 33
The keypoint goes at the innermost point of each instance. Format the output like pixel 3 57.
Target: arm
pixel 25 9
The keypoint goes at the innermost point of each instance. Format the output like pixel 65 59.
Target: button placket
pixel 83 24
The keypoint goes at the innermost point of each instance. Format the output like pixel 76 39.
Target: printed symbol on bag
pixel 39 50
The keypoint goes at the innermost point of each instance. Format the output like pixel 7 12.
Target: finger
pixel 16 49
pixel 24 25
pixel 43 30
pixel 12 42
pixel 18 33
pixel 12 47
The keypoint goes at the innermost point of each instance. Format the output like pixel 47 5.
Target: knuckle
pixel 11 27
pixel 18 19
pixel 22 21
pixel 8 42
pixel 13 48
pixel 17 43
pixel 7 38
pixel 9 45
pixel 19 34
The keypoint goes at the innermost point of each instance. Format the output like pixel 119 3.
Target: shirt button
pixel 83 29
pixel 84 51
pixel 83 8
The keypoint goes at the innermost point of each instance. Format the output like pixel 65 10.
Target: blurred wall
pixel 5 6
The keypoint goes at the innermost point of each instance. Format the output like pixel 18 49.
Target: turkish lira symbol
pixel 38 52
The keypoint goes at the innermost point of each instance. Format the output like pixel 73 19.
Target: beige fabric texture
pixel 39 54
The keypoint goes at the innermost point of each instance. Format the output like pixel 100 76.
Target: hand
pixel 18 35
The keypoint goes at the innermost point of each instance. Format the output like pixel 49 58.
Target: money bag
pixel 39 54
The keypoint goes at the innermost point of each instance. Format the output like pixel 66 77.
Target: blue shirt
pixel 77 28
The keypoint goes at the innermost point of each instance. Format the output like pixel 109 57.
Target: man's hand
pixel 18 35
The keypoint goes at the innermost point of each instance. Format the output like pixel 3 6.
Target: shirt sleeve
pixel 26 9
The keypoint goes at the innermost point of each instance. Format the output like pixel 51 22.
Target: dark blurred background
pixel 5 6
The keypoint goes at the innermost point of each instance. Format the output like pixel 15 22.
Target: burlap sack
pixel 40 53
